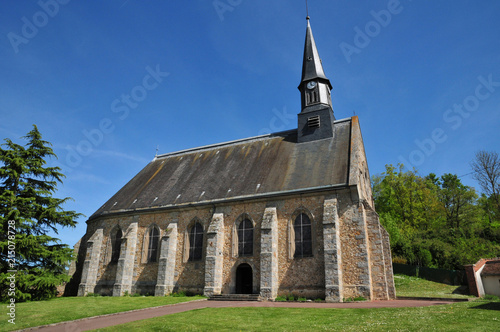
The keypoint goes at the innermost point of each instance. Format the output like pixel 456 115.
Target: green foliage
pixel 178 294
pixel 458 201
pixel 280 299
pixel 290 298
pixel 490 212
pixel 354 299
pixel 28 207
pixel 302 299
pixel 435 221
pixel 491 298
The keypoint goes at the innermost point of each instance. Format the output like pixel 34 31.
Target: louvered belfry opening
pixel 313 122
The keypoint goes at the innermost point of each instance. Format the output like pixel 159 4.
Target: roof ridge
pixel 233 142
pixel 223 144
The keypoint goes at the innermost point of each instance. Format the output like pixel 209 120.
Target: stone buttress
pixel 166 268
pixel 269 255
pixel 91 263
pixel 214 257
pixel 125 267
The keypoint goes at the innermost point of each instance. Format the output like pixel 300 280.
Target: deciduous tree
pixel 434 221
pixel 457 199
pixel 486 168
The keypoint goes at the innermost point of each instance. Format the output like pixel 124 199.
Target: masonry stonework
pixel 269 255
pixel 334 289
pixel 214 256
pixel 350 252
pixel 91 264
pixel 165 280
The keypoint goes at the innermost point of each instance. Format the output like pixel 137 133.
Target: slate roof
pixel 261 166
pixel 491 268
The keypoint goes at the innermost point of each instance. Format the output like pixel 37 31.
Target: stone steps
pixel 236 297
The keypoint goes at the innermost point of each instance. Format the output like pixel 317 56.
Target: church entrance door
pixel 244 279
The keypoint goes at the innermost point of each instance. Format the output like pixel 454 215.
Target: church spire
pixel 314 85
pixel 312 68
pixel 316 117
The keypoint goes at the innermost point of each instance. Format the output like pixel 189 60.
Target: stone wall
pixel 391 289
pixel 356 264
pixel 359 175
pixel 354 244
pixel 300 276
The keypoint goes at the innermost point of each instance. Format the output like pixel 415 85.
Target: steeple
pixel 312 68
pixel 316 117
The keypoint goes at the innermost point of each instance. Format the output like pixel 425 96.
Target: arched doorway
pixel 244 279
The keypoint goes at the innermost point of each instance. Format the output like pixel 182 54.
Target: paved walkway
pixel 97 322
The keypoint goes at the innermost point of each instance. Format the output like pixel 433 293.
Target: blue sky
pixel 108 81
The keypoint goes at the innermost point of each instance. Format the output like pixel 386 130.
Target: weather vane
pixel 307 10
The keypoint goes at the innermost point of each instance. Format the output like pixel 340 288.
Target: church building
pixel 285 213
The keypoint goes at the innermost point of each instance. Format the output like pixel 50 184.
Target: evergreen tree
pixel 28 207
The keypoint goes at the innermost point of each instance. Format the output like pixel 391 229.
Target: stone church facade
pixel 285 213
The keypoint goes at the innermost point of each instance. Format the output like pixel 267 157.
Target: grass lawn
pixel 463 316
pixel 475 316
pixel 416 287
pixel 61 309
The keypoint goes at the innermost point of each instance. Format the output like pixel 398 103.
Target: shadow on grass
pixel 488 306
pixel 462 290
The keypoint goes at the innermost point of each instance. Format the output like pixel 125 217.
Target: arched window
pixel 116 243
pixel 153 237
pixel 303 236
pixel 196 242
pixel 245 238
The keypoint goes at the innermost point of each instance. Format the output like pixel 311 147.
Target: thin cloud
pixel 120 155
pixel 87 178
